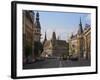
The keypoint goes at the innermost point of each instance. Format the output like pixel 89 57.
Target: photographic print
pixel 54 38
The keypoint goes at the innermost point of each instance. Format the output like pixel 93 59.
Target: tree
pixel 28 50
pixel 38 48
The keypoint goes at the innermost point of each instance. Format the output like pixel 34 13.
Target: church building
pixel 54 47
pixel 79 44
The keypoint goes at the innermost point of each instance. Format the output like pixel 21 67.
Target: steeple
pixel 37 20
pixel 80 22
pixel 37 16
pixel 53 39
pixel 80 30
pixel 54 36
pixel 45 37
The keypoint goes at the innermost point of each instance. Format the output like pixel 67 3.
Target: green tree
pixel 28 50
pixel 38 48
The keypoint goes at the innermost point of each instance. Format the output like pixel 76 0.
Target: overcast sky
pixel 64 24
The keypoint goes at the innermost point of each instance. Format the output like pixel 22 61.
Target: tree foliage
pixel 28 50
pixel 38 48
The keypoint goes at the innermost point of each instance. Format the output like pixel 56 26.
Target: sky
pixel 63 23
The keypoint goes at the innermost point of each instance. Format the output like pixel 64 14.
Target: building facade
pixel 54 47
pixel 79 44
pixel 31 34
pixel 73 46
pixel 87 42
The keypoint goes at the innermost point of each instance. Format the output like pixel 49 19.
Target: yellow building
pixel 87 42
pixel 73 45
pixel 79 44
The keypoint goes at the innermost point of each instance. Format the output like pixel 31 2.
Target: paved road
pixel 55 63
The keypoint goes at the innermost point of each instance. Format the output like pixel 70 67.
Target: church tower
pixel 45 39
pixel 54 36
pixel 37 29
pixel 37 21
pixel 80 40
pixel 53 39
pixel 80 30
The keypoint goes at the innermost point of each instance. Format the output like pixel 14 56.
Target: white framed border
pixel 52 71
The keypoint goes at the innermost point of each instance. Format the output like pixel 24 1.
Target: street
pixel 55 63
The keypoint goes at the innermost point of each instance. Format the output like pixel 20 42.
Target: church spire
pixel 80 30
pixel 45 37
pixel 37 20
pixel 80 22
pixel 37 16
pixel 54 36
